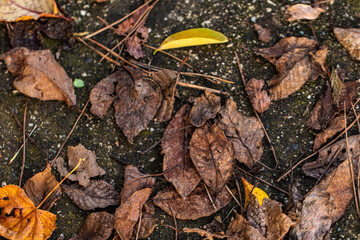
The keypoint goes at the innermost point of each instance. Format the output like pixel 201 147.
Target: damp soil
pixel 284 121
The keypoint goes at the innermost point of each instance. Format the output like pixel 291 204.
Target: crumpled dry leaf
pixel 297 61
pixel 196 205
pixel 205 107
pixel 244 132
pixel 263 33
pixel 40 185
pixel 240 228
pixel 35 80
pixel 87 169
pixel 350 39
pixel 325 204
pixel 258 97
pixel 136 191
pixel 336 125
pixel 98 226
pixel 165 79
pixel 148 221
pixel 177 165
pixel 302 11
pixel 212 155
pixel 136 103
pixel 99 194
pixel 20 219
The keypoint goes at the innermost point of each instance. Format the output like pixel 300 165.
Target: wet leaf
pixel 99 194
pixel 258 97
pixel 196 205
pixel 350 39
pixel 19 219
pixel 263 33
pixel 98 226
pixel 192 37
pixel 302 11
pixel 212 155
pixel 40 185
pixel 148 221
pixel 244 132
pixel 136 103
pixel 336 125
pixel 205 107
pixel 87 169
pixel 33 80
pixel 252 190
pixel 240 228
pixel 177 165
pixel 297 61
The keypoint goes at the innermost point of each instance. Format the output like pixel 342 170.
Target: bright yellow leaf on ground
pixel 20 219
pixel 257 192
pixel 192 37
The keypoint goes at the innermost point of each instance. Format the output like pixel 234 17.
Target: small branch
pixel 233 196
pixel 210 198
pixel 24 142
pixel 189 85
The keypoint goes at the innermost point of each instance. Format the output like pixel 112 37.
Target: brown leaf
pixel 177 165
pixel 148 221
pixel 98 226
pixel 165 79
pixel 240 228
pixel 258 97
pixel 255 215
pixel 263 33
pixel 99 194
pixel 297 61
pixel 40 185
pixel 212 155
pixel 203 233
pixel 195 206
pixel 136 103
pixel 205 107
pixel 350 39
pixel 336 125
pixel 244 132
pixel 302 11
pixel 87 169
pixel 35 80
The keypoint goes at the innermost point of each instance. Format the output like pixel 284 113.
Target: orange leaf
pixel 251 189
pixel 20 219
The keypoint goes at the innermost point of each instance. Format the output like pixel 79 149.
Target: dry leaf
pixel 87 169
pixel 177 165
pixel 350 39
pixel 302 11
pixel 263 33
pixel 98 226
pixel 212 155
pixel 196 205
pixel 240 228
pixel 136 103
pixel 99 194
pixel 297 61
pixel 258 97
pixel 19 219
pixel 40 185
pixel 255 215
pixel 205 107
pixel 250 189
pixel 244 132
pixel 148 221
pixel 35 80
pixel 203 233
pixel 336 125
pixel 336 86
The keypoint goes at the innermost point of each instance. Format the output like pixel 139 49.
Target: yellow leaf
pixel 20 219
pixel 257 192
pixel 192 37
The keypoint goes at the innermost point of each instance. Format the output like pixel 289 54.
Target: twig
pixel 189 85
pixel 105 22
pixel 238 188
pixel 24 142
pixel 233 196
pixel 71 131
pixel 257 115
pixel 139 225
pixel 175 224
pixel 210 198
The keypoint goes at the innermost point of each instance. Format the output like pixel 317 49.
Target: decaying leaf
pixel 98 226
pixel 35 80
pixel 244 132
pixel 20 219
pixel 336 125
pixel 336 86
pixel 263 33
pixel 255 215
pixel 240 228
pixel 212 155
pixel 258 97
pixel 196 205
pixel 193 37
pixel 302 11
pixel 137 189
pixel 98 194
pixel 297 61
pixel 136 103
pixel 148 221
pixel 205 107
pixel 87 169
pixel 177 165
pixel 250 189
pixel 350 39
pixel 40 185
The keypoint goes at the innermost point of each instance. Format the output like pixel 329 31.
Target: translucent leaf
pixel 251 189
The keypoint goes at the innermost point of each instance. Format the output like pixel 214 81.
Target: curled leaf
pixel 205 107
pixel 302 11
pixel 350 39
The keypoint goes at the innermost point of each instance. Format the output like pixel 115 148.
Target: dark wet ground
pixel 284 121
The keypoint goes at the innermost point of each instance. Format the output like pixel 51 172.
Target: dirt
pixel 284 120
